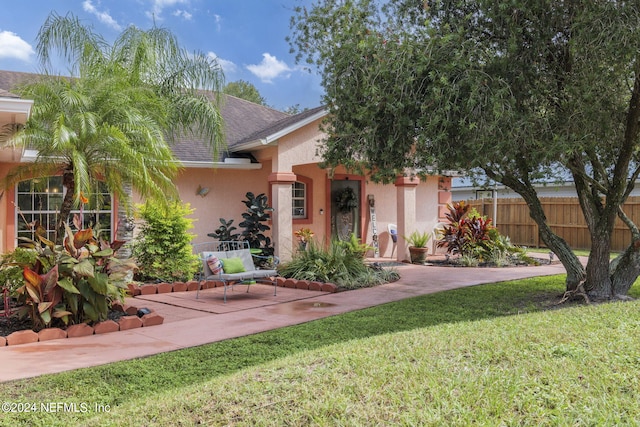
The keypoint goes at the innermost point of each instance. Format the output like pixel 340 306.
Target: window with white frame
pixel 299 199
pixel 39 201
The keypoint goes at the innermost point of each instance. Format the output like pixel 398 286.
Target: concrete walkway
pixel 190 322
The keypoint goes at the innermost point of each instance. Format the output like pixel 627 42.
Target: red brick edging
pixel 129 321
pixel 160 288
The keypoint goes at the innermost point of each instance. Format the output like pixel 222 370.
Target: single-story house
pixel 268 152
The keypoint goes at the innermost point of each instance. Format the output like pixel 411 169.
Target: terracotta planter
pixel 418 255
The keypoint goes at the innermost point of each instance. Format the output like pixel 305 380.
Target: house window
pixel 299 199
pixel 39 201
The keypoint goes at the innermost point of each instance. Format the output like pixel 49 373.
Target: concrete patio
pixel 190 322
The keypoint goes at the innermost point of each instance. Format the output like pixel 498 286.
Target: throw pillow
pixel 214 263
pixel 232 265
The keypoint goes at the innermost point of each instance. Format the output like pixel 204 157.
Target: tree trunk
pixel 575 271
pixel 124 229
pixel 598 284
pixel 624 271
pixel 69 183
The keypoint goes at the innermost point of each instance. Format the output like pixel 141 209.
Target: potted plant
pixel 418 246
pixel 304 235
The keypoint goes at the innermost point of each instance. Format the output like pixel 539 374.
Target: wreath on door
pixel 346 200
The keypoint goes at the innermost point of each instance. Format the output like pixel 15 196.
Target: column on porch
pixel 282 215
pixel 406 212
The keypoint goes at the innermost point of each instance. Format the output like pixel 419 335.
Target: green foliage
pixel 115 119
pixel 430 330
pixel 341 263
pixel 472 236
pixel 162 249
pixel 72 283
pixel 502 91
pixel 254 223
pixel 418 239
pixel 244 90
pixel 225 233
pixel 354 246
pixel 11 266
pixel 464 233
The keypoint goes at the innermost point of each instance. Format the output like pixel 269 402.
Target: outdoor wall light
pixel 321 211
pixel 202 191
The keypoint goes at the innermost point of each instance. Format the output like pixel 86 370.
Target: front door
pixel 345 208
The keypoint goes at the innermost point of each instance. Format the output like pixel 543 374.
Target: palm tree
pixel 114 121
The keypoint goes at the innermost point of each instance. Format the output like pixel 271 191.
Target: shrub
pixel 163 247
pixel 464 233
pixel 72 283
pixel 11 266
pixel 341 263
pixel 472 236
pixel 254 224
pixel 225 233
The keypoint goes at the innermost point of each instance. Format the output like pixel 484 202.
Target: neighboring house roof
pixel 244 123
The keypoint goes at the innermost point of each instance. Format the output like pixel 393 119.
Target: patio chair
pixel 231 262
pixel 393 232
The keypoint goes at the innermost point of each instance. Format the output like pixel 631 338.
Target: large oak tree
pixel 519 91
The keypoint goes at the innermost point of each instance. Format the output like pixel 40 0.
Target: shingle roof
pixel 241 119
pixel 281 125
pixel 6 94
pixel 244 121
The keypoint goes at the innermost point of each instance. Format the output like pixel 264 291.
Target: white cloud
pixel 157 6
pixel 227 66
pixel 183 14
pixel 270 68
pixel 103 17
pixel 12 46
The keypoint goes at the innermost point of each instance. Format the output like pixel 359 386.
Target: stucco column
pixel 406 212
pixel 282 215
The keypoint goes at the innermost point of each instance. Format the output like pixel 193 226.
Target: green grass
pixel 485 355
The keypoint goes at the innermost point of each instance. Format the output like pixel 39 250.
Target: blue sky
pixel 247 37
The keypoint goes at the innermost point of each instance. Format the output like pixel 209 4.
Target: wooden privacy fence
pixel 564 216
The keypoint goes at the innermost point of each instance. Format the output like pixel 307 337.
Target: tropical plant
pixel 418 239
pixel 464 233
pixel 225 233
pixel 114 118
pixel 354 246
pixel 72 283
pixel 12 265
pixel 163 249
pixel 254 224
pixel 336 263
pixel 304 235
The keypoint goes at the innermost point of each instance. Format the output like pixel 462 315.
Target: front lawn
pixel 485 355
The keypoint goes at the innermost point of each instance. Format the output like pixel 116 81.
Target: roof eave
pixel 16 106
pixel 220 165
pixel 273 138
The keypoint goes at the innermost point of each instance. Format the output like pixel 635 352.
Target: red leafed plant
pixel 464 233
